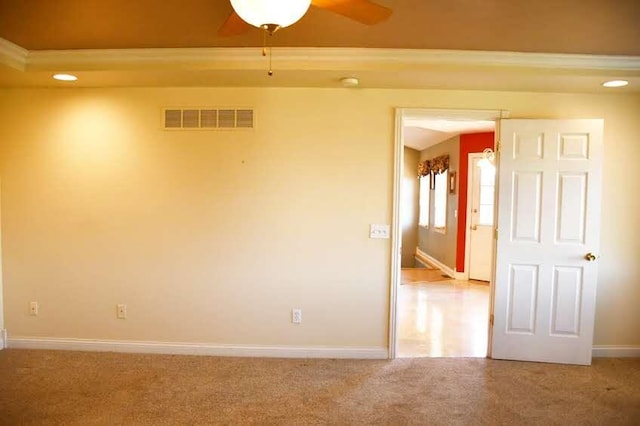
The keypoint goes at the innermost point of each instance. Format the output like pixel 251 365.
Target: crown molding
pixel 123 59
pixel 13 55
pixel 316 58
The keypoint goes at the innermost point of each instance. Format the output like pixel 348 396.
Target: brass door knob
pixel 590 257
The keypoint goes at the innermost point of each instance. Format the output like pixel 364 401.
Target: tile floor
pixel 440 317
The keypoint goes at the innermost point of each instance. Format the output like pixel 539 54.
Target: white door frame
pixel 401 115
pixel 3 332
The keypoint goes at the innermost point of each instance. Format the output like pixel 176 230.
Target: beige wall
pixel 409 206
pixel 206 236
pixel 215 236
pixel 439 245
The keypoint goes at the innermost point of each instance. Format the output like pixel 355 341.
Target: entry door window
pixel 487 194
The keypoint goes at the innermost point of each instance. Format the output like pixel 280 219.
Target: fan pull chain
pixel 268 29
pixel 264 42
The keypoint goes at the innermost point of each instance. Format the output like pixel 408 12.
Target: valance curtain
pixel 424 168
pixel 436 165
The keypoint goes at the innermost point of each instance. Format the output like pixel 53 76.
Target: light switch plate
pixel 379 231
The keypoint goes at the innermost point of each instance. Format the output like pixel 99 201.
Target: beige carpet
pixel 50 387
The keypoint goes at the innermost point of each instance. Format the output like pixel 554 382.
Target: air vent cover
pixel 208 119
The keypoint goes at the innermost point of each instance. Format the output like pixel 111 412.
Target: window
pixel 487 193
pixel 425 193
pixel 440 201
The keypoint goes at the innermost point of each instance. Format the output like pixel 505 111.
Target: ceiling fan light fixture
pixel 276 13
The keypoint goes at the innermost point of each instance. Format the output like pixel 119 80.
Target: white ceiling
pixel 422 133
pixel 597 27
pixel 538 46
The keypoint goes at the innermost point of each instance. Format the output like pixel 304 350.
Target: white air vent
pixel 190 118
pixel 208 118
pixel 172 119
pixel 244 118
pixel 227 118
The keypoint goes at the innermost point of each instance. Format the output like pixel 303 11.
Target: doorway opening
pixel 445 205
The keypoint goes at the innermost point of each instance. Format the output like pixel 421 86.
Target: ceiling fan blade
pixel 363 11
pixel 234 25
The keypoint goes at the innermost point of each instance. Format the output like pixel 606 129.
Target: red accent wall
pixel 474 142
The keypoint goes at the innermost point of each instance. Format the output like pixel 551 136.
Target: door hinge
pixel 491 320
pixel 495 234
pixel 498 146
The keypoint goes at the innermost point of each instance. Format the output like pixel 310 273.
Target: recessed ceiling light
pixel 349 82
pixel 615 83
pixel 65 77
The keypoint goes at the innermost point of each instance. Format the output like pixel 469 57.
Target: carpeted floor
pixel 51 387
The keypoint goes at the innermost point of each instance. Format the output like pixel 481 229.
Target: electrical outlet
pixel 296 316
pixel 33 308
pixel 121 311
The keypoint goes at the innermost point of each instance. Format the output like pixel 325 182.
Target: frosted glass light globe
pixel 278 12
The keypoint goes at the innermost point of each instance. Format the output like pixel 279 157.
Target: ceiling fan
pixel 272 15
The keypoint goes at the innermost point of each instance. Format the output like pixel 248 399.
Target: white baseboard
pixel 419 261
pixel 605 351
pixel 425 258
pixel 356 352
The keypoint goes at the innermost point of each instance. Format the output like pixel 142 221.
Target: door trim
pixel 3 331
pixel 396 232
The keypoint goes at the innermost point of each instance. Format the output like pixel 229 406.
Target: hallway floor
pixel 441 317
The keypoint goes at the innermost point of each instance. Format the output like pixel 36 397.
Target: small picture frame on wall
pixel 432 180
pixel 452 182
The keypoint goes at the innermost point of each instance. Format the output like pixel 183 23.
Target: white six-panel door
pixel 548 228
